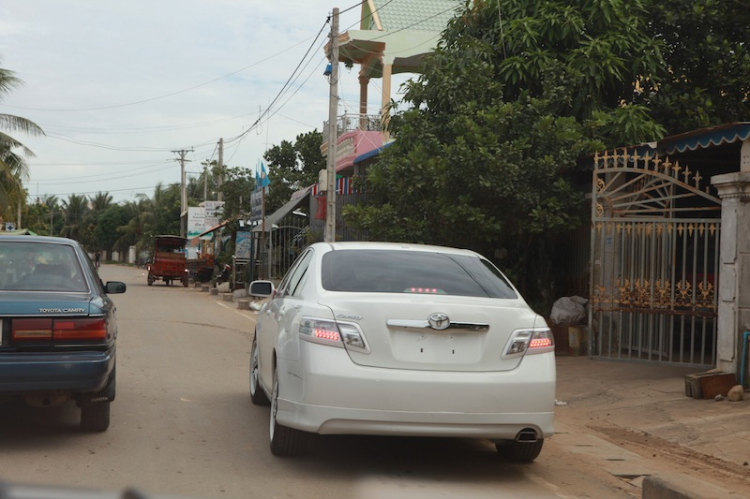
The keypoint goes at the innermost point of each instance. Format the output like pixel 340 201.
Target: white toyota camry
pixel 402 339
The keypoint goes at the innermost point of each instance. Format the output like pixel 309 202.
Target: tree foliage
pixel 706 80
pixel 13 154
pixel 486 155
pixel 238 183
pixel 293 166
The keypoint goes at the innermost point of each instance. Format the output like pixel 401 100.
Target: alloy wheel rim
pixel 254 370
pixel 274 407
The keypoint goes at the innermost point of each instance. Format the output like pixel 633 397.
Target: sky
pixel 118 87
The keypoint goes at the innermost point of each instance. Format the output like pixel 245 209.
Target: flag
pixel 257 179
pixel 264 180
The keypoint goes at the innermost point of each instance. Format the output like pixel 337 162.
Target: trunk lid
pixel 39 304
pixel 395 327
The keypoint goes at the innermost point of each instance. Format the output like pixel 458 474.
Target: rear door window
pixel 299 274
pixel 30 266
pixel 389 271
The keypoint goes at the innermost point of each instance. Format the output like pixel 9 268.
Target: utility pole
pixel 205 180
pixel 221 166
pixel 183 191
pixel 329 234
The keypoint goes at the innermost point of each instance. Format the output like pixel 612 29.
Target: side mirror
pixel 261 289
pixel 114 287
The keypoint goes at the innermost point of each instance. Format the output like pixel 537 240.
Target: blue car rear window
pixel 28 266
pixel 389 271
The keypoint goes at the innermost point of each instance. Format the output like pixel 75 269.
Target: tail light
pixel 531 341
pixel 337 334
pixel 59 329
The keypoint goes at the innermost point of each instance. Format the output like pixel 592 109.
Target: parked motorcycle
pixel 223 273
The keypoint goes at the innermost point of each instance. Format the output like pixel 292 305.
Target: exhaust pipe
pixel 527 436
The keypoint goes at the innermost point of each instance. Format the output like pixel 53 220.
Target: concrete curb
pixel 678 486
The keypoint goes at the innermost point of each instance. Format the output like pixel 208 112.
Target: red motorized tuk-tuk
pixel 168 263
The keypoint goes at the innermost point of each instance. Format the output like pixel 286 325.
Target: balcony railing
pixel 350 122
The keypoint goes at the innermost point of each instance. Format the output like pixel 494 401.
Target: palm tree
pixel 136 232
pixel 75 209
pixel 13 166
pixel 101 201
pixel 52 203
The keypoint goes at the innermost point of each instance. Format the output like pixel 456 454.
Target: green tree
pixel 165 211
pixel 45 216
pixel 135 231
pixel 205 186
pixel 706 78
pixel 238 183
pixel 75 209
pixel 293 166
pixel 95 240
pixel 106 231
pixel 486 155
pixel 13 154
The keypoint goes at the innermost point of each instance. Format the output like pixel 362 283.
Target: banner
pixel 202 218
pixel 242 245
pixel 256 206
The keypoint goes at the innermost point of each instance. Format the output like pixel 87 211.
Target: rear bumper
pixel 77 372
pixel 331 395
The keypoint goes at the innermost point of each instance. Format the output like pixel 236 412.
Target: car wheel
pixel 257 395
pixel 520 452
pixel 95 417
pixel 284 441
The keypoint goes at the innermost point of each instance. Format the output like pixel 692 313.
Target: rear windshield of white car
pixel 389 271
pixel 32 266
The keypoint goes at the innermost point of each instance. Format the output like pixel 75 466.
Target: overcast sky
pixel 118 86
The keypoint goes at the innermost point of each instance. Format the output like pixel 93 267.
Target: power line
pixel 137 130
pixel 165 95
pixel 115 148
pixel 127 175
pixel 284 87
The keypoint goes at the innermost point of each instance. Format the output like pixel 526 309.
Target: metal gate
pixel 654 265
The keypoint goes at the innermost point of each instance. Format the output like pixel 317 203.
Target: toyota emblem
pixel 439 321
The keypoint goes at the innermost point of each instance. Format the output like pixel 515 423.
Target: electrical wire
pixel 285 86
pixel 115 148
pixel 165 95
pixel 127 175
pixel 136 130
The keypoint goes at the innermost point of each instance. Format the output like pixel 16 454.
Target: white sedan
pixel 401 339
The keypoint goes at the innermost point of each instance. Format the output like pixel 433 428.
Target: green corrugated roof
pixel 418 15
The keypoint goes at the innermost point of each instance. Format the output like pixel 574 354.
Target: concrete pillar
pixel 385 113
pixel 734 268
pixel 745 156
pixel 364 81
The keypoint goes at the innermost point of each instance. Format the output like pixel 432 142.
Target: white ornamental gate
pixel 654 265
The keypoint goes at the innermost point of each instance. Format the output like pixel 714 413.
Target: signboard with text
pixel 203 217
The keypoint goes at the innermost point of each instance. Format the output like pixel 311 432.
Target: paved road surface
pixel 183 425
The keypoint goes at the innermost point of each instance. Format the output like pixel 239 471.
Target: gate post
pixel 734 269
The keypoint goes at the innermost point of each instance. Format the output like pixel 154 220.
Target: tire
pixel 257 395
pixel 184 282
pixel 151 280
pixel 95 417
pixel 284 441
pixel 520 452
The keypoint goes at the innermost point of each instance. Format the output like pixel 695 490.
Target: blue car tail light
pixel 59 329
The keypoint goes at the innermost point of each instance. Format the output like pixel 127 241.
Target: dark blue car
pixel 58 327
